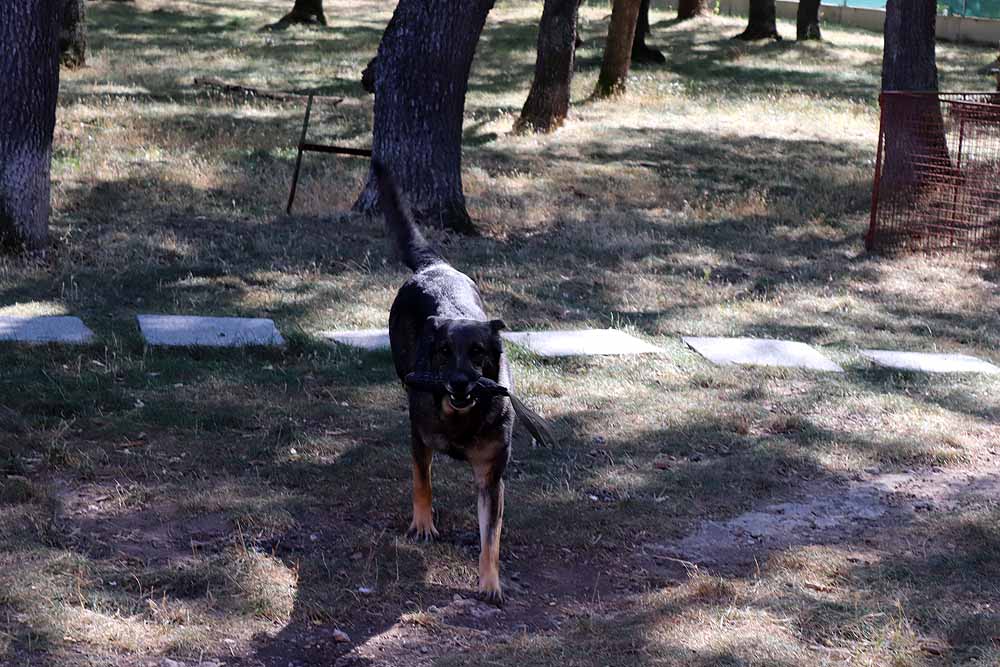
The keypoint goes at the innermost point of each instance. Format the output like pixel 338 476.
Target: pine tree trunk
pixel 618 49
pixel 548 102
pixel 807 20
pixel 308 12
pixel 73 37
pixel 29 78
pixel 420 77
pixel 688 9
pixel 762 23
pixel 914 128
pixel 642 52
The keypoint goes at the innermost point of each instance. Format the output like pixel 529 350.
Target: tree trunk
pixel 73 37
pixel 548 102
pixel 309 12
pixel 762 23
pixel 420 77
pixel 914 128
pixel 807 20
pixel 29 78
pixel 618 49
pixel 688 9
pixel 641 52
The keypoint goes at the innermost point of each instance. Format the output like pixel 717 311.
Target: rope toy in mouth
pixel 434 382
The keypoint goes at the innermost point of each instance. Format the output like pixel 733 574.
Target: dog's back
pixel 436 289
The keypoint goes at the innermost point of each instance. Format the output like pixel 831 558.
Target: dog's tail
pixel 410 244
pixel 536 426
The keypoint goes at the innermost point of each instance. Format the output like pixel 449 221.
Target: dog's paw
pixel 422 532
pixel 491 593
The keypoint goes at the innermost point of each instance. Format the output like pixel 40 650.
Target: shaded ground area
pixel 245 506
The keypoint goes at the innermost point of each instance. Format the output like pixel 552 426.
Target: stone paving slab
pixel 44 329
pixel 584 342
pixel 927 362
pixel 760 352
pixel 187 331
pixel 543 343
pixel 367 339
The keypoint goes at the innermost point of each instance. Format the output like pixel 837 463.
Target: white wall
pixel 949 28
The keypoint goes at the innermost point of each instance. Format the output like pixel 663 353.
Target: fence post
pixel 298 159
pixel 870 236
pixel 957 177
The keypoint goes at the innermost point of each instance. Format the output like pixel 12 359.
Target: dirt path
pixel 545 593
pixel 869 507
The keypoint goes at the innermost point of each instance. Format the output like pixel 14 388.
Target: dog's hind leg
pixel 422 526
pixel 490 482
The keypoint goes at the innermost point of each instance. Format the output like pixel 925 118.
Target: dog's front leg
pixel 422 526
pixel 489 479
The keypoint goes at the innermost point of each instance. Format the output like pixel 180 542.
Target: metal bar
pixel 336 150
pixel 946 97
pixel 870 237
pixel 298 159
pixel 937 92
pixel 958 171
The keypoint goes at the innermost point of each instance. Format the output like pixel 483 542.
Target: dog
pixel 451 357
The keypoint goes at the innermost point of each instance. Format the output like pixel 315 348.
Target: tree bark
pixel 73 37
pixel 642 52
pixel 29 77
pixel 807 20
pixel 308 12
pixel 762 23
pixel 420 76
pixel 548 102
pixel 618 49
pixel 914 128
pixel 688 9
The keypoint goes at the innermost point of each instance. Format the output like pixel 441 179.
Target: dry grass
pixel 205 504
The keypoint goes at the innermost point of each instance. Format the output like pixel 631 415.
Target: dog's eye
pixel 477 350
pixel 445 349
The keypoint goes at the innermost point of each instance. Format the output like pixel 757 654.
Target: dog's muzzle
pixel 460 395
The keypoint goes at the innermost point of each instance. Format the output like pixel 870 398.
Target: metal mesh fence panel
pixel 937 174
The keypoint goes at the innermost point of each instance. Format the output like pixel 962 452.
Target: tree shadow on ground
pixel 720 65
pixel 233 518
pixel 302 471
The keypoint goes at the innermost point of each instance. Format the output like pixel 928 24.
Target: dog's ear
pixel 433 323
pixel 492 368
pixel 496 326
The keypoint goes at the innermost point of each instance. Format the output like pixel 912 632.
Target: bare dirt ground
pixel 870 515
pixel 868 508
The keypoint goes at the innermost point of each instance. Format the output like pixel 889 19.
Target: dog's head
pixel 461 352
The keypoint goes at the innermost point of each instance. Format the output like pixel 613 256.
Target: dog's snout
pixel 458 388
pixel 459 385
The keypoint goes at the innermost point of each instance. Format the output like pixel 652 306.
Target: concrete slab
pixel 927 362
pixel 367 339
pixel 44 329
pixel 584 342
pixel 187 331
pixel 760 352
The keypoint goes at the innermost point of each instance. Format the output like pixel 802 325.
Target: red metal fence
pixel 937 174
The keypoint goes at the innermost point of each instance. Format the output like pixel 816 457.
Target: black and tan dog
pixel 459 382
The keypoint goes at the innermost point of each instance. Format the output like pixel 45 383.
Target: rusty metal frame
pixel 306 147
pixel 873 221
pixel 953 208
